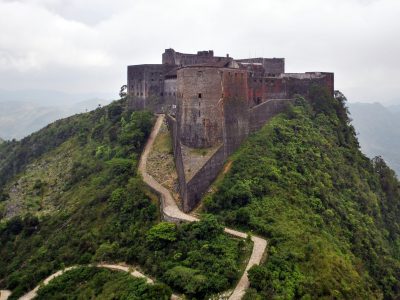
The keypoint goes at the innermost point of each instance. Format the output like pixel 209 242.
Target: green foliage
pixel 98 283
pixel 331 215
pixel 206 260
pixel 121 166
pixel 191 280
pixel 162 232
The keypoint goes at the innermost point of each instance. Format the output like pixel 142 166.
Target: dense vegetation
pixel 331 215
pixel 98 283
pixel 104 212
pixel 197 258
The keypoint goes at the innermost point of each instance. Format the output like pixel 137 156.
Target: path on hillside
pixel 32 294
pixel 172 212
pixel 4 294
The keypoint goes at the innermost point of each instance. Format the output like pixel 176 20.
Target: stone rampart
pixel 201 181
pixel 176 145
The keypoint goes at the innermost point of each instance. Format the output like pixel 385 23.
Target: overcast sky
pixel 85 45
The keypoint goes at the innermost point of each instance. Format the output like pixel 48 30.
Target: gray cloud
pixel 84 46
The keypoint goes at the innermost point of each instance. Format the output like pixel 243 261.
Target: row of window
pixel 261 80
pixel 168 94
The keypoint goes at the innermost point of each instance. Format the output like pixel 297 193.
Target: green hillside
pixel 331 215
pixel 70 194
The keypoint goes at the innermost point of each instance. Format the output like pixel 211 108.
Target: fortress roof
pixel 217 64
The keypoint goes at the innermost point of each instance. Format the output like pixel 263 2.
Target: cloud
pixel 76 45
pixel 37 38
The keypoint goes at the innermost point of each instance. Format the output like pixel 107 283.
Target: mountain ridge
pixel 18 119
pixel 377 131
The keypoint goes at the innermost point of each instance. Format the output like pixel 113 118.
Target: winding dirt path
pixel 172 212
pixel 32 294
pixel 4 294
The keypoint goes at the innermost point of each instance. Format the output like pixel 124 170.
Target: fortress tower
pixel 200 106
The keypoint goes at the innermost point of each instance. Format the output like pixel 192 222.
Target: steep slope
pixel 378 131
pixel 71 194
pixel 331 215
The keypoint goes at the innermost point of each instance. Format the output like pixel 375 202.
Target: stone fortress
pixel 212 104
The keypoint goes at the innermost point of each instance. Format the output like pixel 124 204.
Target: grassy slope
pixel 77 199
pixel 331 215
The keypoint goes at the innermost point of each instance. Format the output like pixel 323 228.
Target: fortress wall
pixel 171 57
pixel 236 127
pixel 145 80
pixel 173 128
pixel 146 86
pixel 274 65
pixel 200 115
pixel 257 91
pixel 169 95
pixel 135 103
pixel 261 114
pixel 275 88
pixel 235 106
pixel 301 83
pixel 271 65
pixel 265 88
pixel 201 182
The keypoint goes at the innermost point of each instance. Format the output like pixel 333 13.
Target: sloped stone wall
pixel 259 115
pixel 200 183
pixel 173 128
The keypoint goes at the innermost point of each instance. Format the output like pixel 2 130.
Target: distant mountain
pixel 378 129
pixel 20 118
pixel 50 98
pixel 394 108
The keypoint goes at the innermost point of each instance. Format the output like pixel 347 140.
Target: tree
pixel 123 91
pixel 162 232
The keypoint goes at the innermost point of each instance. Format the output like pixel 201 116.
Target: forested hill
pixel 332 216
pixel 70 195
